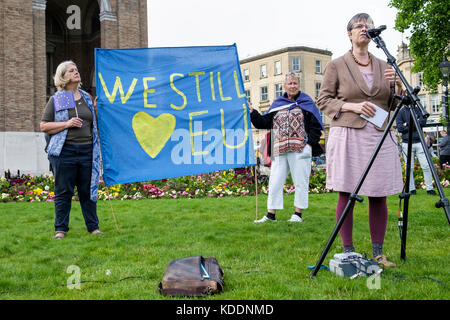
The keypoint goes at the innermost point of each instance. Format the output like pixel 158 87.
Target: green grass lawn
pixel 264 261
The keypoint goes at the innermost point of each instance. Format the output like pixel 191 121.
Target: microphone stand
pixel 408 101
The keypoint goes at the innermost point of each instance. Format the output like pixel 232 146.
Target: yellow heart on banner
pixel 153 133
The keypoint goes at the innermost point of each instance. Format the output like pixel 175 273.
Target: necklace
pixel 78 100
pixel 361 64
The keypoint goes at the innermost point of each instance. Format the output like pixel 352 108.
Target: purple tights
pixel 377 219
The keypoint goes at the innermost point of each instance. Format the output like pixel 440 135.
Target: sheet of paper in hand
pixel 379 117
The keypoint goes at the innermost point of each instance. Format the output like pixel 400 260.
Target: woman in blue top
pixel 73 150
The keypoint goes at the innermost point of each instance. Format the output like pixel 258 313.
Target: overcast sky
pixel 259 26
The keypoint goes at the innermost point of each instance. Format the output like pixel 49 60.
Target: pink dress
pixel 348 153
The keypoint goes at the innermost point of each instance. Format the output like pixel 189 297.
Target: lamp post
pixel 444 66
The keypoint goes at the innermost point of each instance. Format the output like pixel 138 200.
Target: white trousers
pixel 417 150
pixel 299 164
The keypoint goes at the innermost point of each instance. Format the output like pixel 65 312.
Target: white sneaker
pixel 295 218
pixel 264 219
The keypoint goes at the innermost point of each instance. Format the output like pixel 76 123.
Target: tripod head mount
pixel 408 100
pixel 374 35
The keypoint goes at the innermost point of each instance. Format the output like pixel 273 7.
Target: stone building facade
pixel 431 101
pixel 35 36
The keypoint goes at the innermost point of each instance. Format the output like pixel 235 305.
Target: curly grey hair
pixel 292 75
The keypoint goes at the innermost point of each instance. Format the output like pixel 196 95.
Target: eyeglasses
pixel 362 25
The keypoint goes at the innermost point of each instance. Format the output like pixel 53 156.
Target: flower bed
pixel 27 188
pixel 233 182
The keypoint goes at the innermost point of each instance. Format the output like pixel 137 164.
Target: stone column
pixel 108 26
pixel 39 58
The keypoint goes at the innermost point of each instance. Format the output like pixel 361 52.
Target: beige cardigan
pixel 343 83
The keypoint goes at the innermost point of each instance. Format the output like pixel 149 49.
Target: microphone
pixel 372 33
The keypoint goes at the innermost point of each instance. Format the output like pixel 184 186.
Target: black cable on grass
pixel 438 281
pixel 400 277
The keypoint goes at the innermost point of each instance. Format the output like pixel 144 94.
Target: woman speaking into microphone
pixel 353 84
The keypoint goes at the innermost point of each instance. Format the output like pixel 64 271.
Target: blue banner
pixel 169 112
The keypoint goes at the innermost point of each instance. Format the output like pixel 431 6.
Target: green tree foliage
pixel 429 24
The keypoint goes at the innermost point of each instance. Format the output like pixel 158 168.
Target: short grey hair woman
pixel 352 85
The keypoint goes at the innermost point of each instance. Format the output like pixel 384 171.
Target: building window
pixel 278 90
pixel 277 67
pixel 434 103
pixel 420 79
pixel 246 75
pixel 318 66
pixel 296 64
pixel 423 101
pixel 318 85
pixel 264 95
pixel 247 96
pixel 263 71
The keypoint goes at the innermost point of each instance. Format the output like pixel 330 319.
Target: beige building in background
pixel 431 101
pixel 263 75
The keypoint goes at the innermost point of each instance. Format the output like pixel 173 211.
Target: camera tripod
pixel 409 100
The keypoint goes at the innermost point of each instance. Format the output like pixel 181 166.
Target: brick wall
pixel 23 55
pixel 18 63
pixel 39 67
pixel 23 70
pixel 2 71
pixel 130 29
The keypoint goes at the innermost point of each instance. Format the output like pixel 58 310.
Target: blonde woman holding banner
pixel 73 150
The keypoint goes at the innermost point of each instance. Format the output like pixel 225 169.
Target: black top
pixel 403 117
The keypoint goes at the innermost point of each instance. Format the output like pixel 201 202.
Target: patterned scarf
pixel 303 101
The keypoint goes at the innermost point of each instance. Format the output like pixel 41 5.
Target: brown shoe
pixel 381 259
